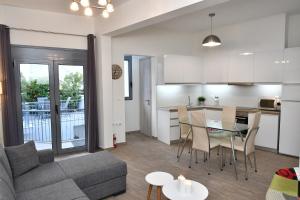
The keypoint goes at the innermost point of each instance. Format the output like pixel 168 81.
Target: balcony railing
pixel 37 121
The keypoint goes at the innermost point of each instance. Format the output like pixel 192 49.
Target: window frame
pixel 129 60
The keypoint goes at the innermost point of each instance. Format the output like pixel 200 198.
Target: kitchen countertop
pixel 239 109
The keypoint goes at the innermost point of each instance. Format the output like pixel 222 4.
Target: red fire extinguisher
pixel 115 140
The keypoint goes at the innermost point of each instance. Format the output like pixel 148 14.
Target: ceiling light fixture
pixel 88 12
pixel 74 6
pixel 211 40
pixel 110 8
pixel 105 14
pixel 102 2
pixel 105 5
pixel 85 3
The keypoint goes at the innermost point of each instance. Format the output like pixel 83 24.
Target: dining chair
pixel 185 129
pixel 228 115
pixel 200 137
pixel 247 146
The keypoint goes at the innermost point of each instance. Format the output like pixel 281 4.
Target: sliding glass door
pixel 51 106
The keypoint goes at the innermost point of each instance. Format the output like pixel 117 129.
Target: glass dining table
pixel 222 129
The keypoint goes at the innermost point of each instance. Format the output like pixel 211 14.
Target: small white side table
pixel 172 192
pixel 157 179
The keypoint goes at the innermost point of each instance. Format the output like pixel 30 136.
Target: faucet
pixel 189 99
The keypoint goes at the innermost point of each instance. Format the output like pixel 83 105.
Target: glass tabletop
pixel 222 126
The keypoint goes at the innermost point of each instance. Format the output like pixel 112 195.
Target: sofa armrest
pixel 46 156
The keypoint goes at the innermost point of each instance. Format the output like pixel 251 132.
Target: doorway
pixel 50 95
pixel 138 88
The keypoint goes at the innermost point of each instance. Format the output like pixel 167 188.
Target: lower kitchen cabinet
pixel 267 135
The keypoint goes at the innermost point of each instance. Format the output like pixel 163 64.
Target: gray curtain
pixel 92 114
pixel 8 98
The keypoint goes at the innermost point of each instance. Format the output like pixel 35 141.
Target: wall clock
pixel 116 72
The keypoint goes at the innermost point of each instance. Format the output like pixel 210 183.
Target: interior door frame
pixel 57 103
pixel 48 55
pixel 142 96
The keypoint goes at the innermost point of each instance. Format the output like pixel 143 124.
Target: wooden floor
pixel 144 155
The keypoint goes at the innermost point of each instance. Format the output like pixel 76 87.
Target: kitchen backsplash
pixel 248 96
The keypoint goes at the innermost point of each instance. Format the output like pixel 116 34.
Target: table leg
pixel 158 192
pixel 149 192
pixel 233 156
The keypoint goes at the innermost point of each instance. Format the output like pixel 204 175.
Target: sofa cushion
pixel 5 192
pixel 22 158
pixel 40 176
pixel 93 169
pixel 4 161
pixel 64 190
pixel 4 177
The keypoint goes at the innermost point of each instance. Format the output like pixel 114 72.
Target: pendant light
pixel 211 40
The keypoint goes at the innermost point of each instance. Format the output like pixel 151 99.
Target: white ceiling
pixel 60 6
pixel 232 12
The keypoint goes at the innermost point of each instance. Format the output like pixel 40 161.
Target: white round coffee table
pixel 172 192
pixel 157 179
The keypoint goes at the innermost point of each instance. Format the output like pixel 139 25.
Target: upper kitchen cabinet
pixel 241 67
pixel 182 69
pixel 292 65
pixel 268 66
pixel 215 67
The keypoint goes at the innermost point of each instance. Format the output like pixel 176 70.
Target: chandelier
pixel 105 5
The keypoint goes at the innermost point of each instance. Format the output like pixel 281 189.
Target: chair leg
pixel 246 168
pixel 218 151
pixel 230 159
pixel 255 167
pixel 196 156
pixel 224 156
pixel 178 150
pixel 208 163
pixel 183 145
pixel 191 157
pixel 249 159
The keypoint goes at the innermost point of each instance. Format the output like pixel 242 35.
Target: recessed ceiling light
pixel 246 53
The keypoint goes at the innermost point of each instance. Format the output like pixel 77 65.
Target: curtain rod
pixel 49 32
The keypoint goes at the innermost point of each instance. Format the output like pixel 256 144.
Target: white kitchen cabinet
pixel 215 66
pixel 292 65
pixel 267 135
pixel 268 66
pixel 241 68
pixel 173 66
pixel 182 69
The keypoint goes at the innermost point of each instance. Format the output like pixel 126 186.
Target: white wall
pixel 147 42
pixel 132 107
pixel 46 21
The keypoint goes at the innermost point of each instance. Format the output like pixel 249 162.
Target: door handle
pixel 56 109
pixel 148 101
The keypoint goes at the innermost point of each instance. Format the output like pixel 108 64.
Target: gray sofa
pixel 93 176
